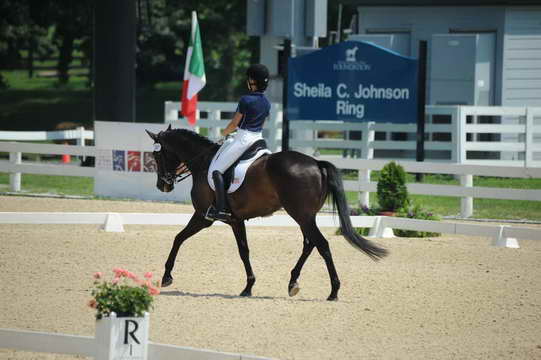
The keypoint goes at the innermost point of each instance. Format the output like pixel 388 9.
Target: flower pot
pixel 122 337
pixel 387 213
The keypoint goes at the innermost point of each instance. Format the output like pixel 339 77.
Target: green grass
pixel 50 184
pixel 38 105
pixel 440 205
pixel 19 80
pixel 482 208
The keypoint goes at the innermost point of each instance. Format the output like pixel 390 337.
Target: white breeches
pixel 231 150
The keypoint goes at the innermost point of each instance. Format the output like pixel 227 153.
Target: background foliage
pixel 46 57
pixel 34 30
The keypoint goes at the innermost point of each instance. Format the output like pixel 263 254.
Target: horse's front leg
pixel 239 229
pixel 196 224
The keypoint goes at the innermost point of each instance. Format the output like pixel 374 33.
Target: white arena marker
pixel 379 230
pixel 113 223
pixel 503 241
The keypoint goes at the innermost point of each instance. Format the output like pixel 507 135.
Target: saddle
pixel 258 149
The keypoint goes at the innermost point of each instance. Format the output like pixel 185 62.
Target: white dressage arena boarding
pixel 380 226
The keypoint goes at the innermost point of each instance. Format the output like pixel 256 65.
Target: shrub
pixel 392 192
pixel 416 212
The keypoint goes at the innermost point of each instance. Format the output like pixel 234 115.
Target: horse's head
pixel 167 161
pixel 178 153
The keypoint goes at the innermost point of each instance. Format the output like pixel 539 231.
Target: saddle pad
pixel 240 171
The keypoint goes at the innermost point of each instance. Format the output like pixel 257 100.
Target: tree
pixel 72 20
pixel 14 19
pixel 163 37
pixel 42 26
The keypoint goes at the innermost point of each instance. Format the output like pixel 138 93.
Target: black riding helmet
pixel 260 74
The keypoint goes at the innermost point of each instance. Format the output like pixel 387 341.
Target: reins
pixel 182 172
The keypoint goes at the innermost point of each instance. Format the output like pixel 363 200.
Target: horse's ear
pixel 169 127
pixel 152 135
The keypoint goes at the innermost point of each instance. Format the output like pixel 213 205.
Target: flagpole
pixel 285 84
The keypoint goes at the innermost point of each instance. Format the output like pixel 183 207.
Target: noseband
pixel 181 173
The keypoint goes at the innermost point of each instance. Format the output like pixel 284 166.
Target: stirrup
pixel 213 214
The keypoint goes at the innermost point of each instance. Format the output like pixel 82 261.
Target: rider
pixel 248 120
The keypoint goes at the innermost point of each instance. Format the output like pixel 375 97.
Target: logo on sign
pixel 350 54
pixel 351 62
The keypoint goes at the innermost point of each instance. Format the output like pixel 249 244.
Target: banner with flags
pixel 194 73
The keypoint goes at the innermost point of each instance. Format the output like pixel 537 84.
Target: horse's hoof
pixel 245 293
pixel 332 298
pixel 166 281
pixel 294 289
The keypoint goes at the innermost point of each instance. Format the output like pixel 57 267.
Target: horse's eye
pixel 157 147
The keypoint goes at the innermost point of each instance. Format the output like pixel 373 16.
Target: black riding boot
pixel 217 212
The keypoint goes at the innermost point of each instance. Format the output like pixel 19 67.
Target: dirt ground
pixel 446 297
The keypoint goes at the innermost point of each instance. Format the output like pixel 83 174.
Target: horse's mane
pixel 182 135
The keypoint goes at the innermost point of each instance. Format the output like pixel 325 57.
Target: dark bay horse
pixel 289 180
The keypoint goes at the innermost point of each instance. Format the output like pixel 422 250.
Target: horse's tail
pixel 334 182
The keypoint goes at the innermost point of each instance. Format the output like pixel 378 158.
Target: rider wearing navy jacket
pixel 248 120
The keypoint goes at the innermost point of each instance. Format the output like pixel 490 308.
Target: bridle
pixel 170 177
pixel 182 171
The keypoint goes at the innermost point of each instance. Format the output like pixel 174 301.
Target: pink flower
pixel 133 277
pixel 93 303
pixel 115 281
pixel 153 291
pixel 98 275
pixel 148 275
pixel 118 272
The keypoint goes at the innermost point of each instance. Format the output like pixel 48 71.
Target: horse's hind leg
pixel 311 231
pixel 239 229
pixel 293 286
pixel 196 224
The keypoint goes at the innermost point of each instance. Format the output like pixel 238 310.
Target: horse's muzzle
pixel 164 186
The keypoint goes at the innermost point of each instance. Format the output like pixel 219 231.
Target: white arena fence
pixel 88 346
pixel 456 134
pixel 79 134
pixel 466 191
pixel 380 226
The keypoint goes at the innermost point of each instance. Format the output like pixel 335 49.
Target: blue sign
pixel 353 81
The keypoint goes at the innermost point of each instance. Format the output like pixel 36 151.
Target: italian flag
pixel 194 73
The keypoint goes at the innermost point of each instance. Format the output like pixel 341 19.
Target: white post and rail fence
pixel 463 125
pixel 451 131
pixel 481 135
pixel 378 225
pixel 466 191
pixel 116 338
